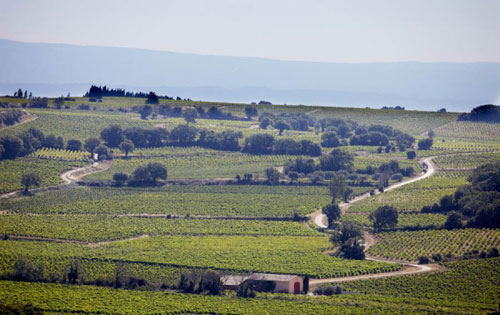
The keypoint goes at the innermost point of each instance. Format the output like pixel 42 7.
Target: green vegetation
pixel 11 172
pixel 96 228
pixel 405 220
pixel 470 284
pixel 203 165
pixel 409 245
pixel 413 196
pixel 276 254
pixel 244 201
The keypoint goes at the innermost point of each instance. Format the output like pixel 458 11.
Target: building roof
pixel 233 280
pixel 237 280
pixel 272 277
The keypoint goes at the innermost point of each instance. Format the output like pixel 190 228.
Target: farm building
pixel 282 283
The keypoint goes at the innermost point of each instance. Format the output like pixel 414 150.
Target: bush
pixel 411 155
pixel 149 174
pixel 454 221
pixel 328 290
pixel 437 257
pixel 423 260
pixel 397 177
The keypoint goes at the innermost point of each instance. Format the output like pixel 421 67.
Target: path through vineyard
pixel 408 268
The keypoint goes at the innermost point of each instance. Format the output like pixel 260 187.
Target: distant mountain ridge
pixel 60 68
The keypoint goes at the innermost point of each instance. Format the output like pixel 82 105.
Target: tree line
pixel 474 205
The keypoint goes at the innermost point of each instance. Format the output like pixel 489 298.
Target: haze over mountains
pixel 54 69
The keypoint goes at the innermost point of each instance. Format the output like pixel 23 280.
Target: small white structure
pixel 283 283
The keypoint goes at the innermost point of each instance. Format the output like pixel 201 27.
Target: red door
pixel 296 288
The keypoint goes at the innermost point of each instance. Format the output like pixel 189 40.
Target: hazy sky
pixel 334 30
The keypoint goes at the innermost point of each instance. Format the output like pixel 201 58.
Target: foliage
pixel 409 245
pixel 385 217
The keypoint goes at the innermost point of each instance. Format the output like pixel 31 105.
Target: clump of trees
pixel 286 121
pixel 477 204
pixel 267 144
pixel 385 217
pixel 485 113
pixel 328 290
pixel 348 237
pixel 27 142
pixel 425 144
pixel 11 117
pixel 209 282
pixel 30 180
pixel 149 174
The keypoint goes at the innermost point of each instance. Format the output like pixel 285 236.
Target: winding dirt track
pixel 408 268
pixel 68 177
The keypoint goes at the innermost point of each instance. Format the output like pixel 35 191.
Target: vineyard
pixel 49 171
pixel 58 154
pixel 199 220
pixel 469 130
pixel 410 245
pixel 208 165
pixel 468 161
pixel 405 220
pixel 413 196
pixel 246 201
pixel 96 228
pixel 57 298
pixel 468 284
pixel 276 254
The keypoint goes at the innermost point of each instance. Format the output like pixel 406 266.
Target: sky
pixel 354 31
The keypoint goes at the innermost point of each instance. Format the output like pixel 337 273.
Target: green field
pixel 464 288
pixel 276 254
pixel 199 220
pixel 11 171
pixel 204 200
pixel 405 220
pixel 413 196
pixel 203 165
pixel 410 245
pixel 95 228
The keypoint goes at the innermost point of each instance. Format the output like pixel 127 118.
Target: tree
pixel 384 217
pixel 453 221
pixel 293 176
pixel 347 194
pixel 344 232
pixel 12 146
pixel 120 178
pixel 352 249
pixel 74 145
pixel 190 115
pixel 127 146
pixel 264 123
pixel 337 160
pixel 150 173
pixel 152 98
pixel 272 175
pixel 286 146
pixel 330 140
pixel 102 152
pixel 113 135
pixel 30 180
pixel 250 111
pixel 183 134
pixel 259 144
pixel 145 111
pixel 337 186
pixel 91 144
pixel 281 125
pixel 411 155
pixel 210 282
pixel 332 212
pixel 425 144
